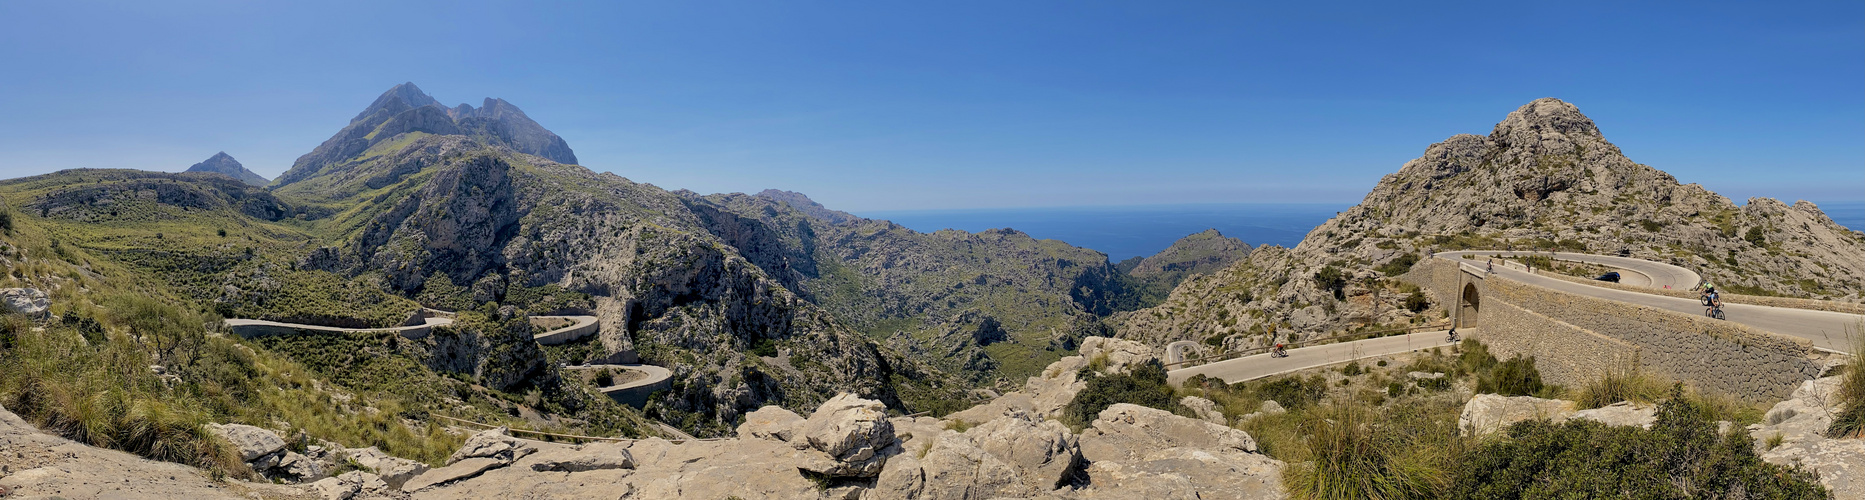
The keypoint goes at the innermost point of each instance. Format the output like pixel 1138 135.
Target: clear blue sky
pixel 917 105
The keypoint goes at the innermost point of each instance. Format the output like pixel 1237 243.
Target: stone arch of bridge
pixel 1469 306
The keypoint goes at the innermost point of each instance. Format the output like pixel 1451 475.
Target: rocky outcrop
pixel 28 301
pixel 1800 424
pixel 1136 450
pixel 1016 455
pixel 223 164
pixel 265 452
pixel 494 444
pixel 1490 413
pixel 1120 354
pixel 853 432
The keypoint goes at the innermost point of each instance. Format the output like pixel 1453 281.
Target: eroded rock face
pixel 1016 455
pixel 1801 423
pixel 1489 413
pixel 852 431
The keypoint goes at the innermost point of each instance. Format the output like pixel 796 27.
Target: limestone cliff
pixel 1544 178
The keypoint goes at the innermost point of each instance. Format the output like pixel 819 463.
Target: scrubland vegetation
pixel 1376 431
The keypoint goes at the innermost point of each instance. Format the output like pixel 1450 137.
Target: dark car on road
pixel 1612 277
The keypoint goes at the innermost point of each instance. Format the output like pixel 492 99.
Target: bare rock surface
pixel 1623 413
pixel 497 444
pixel 460 469
pixel 593 456
pixel 1490 413
pixel 770 422
pixel 1135 450
pixel 1016 455
pixel 1801 423
pixel 1125 432
pixel 1186 473
pixel 1204 408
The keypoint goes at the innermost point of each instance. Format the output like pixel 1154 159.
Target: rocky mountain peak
pixel 397 99
pixel 1544 120
pixel 224 164
pixel 808 206
pixel 406 109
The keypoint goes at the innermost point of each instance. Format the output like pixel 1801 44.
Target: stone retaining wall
pixel 1722 356
pixel 1565 354
pixel 1574 336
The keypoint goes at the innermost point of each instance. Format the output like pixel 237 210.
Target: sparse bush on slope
pixel 1143 384
pixel 1681 456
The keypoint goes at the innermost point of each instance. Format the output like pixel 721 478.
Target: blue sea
pixel 1850 214
pixel 1128 231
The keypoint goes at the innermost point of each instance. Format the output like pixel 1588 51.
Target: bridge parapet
pixel 1577 338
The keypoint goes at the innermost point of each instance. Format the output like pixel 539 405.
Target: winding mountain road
pixel 1826 330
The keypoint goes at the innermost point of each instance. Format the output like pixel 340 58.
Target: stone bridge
pixel 1579 329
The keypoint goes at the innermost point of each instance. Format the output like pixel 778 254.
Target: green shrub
pixel 1756 237
pixel 1331 278
pixel 1515 377
pixel 1475 357
pixel 1681 456
pixel 764 347
pixel 1416 302
pixel 1352 368
pixel 1400 265
pixel 1143 384
pixel 1292 392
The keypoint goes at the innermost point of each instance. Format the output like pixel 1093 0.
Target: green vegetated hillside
pixel 1545 178
pixel 751 300
pixel 996 306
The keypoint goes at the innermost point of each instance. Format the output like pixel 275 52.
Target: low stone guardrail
pixel 1731 298
pixel 1324 340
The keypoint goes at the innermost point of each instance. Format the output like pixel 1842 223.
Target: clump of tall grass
pixel 1355 453
pixel 1621 384
pixel 104 395
pixel 1851 396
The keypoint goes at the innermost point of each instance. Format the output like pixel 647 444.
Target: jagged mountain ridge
pixel 1545 177
pixel 224 164
pixel 406 109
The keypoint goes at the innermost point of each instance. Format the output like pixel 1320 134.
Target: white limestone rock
pixel 1489 413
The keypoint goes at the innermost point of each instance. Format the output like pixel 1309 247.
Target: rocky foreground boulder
pixel 1491 413
pixel 1800 422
